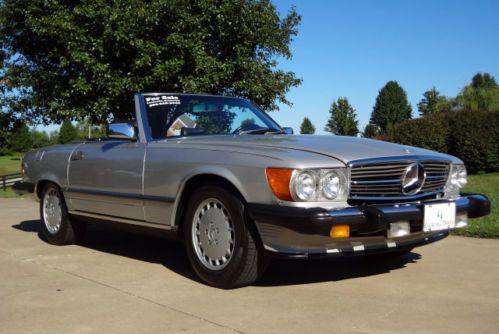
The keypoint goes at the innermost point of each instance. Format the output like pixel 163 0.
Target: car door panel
pixel 106 178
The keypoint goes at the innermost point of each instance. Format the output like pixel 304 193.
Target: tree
pixel 87 130
pixel 6 124
pixel 342 120
pixel 482 94
pixel 433 102
pixel 370 131
pixel 77 59
pixel 483 80
pixel 20 139
pixel 214 123
pixel 53 137
pixel 306 127
pixel 40 138
pixel 67 133
pixel 391 107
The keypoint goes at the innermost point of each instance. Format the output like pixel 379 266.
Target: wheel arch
pixel 41 183
pixel 195 181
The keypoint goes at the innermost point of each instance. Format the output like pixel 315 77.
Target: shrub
pixel 475 139
pixel 471 136
pixel 431 132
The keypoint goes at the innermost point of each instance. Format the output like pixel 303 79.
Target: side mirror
pixel 121 130
pixel 288 130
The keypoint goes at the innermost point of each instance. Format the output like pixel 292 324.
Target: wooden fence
pixel 8 180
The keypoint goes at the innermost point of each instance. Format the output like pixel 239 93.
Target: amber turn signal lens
pixel 340 231
pixel 279 179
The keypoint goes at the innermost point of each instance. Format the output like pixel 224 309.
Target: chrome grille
pixel 383 180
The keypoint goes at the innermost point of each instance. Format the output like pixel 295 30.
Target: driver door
pixel 105 178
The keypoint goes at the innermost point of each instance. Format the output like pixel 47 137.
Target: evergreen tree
pixel 67 133
pixel 306 127
pixel 391 107
pixel 433 102
pixel 370 131
pixel 483 80
pixel 343 119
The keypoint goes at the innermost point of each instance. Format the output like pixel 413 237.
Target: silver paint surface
pixel 148 170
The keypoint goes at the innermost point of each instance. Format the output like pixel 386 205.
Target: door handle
pixel 78 155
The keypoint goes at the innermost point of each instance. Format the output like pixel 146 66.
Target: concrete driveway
pixel 118 282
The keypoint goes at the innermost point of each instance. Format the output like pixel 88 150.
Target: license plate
pixel 441 216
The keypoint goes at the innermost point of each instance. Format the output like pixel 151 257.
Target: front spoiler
pixel 304 232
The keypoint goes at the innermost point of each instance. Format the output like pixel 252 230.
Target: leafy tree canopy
pixel 433 102
pixel 306 127
pixel 77 59
pixel 482 94
pixel 343 119
pixel 391 107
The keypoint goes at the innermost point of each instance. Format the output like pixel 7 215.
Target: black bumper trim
pixel 23 188
pixel 365 219
pixel 298 231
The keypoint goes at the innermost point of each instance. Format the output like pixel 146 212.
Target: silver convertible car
pixel 238 188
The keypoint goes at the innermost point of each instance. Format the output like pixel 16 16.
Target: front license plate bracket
pixel 439 216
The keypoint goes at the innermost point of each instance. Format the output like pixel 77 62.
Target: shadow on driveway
pixel 171 254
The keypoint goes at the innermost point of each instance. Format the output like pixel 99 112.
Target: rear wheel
pixel 222 249
pixel 57 228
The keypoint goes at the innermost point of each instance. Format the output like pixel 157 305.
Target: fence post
pixel 4 183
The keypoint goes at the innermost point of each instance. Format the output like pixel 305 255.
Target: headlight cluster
pixel 457 180
pixel 309 185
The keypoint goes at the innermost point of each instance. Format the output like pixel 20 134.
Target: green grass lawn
pixel 486 227
pixel 9 193
pixel 10 164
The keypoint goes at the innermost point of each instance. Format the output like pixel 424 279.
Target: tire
pixel 222 248
pixel 57 227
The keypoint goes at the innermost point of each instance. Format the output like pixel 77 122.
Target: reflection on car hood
pixel 342 148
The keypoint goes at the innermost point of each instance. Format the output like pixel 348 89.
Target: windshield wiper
pixel 262 131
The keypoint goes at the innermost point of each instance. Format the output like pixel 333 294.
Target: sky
pixel 352 48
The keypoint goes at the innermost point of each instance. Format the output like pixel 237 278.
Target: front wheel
pixel 57 228
pixel 222 249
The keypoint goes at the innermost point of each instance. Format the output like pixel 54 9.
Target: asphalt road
pixel 118 282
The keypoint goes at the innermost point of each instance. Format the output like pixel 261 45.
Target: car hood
pixel 345 149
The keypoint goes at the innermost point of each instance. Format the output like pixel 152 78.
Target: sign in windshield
pixel 185 115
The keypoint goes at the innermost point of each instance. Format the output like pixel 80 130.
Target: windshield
pixel 172 115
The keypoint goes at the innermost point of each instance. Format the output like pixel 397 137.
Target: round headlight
pixel 331 185
pixel 305 186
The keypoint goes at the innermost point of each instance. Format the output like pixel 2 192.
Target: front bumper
pixel 304 232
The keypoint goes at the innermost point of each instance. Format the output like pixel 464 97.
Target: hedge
pixel 473 136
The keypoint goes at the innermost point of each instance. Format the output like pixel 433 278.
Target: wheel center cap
pixel 212 233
